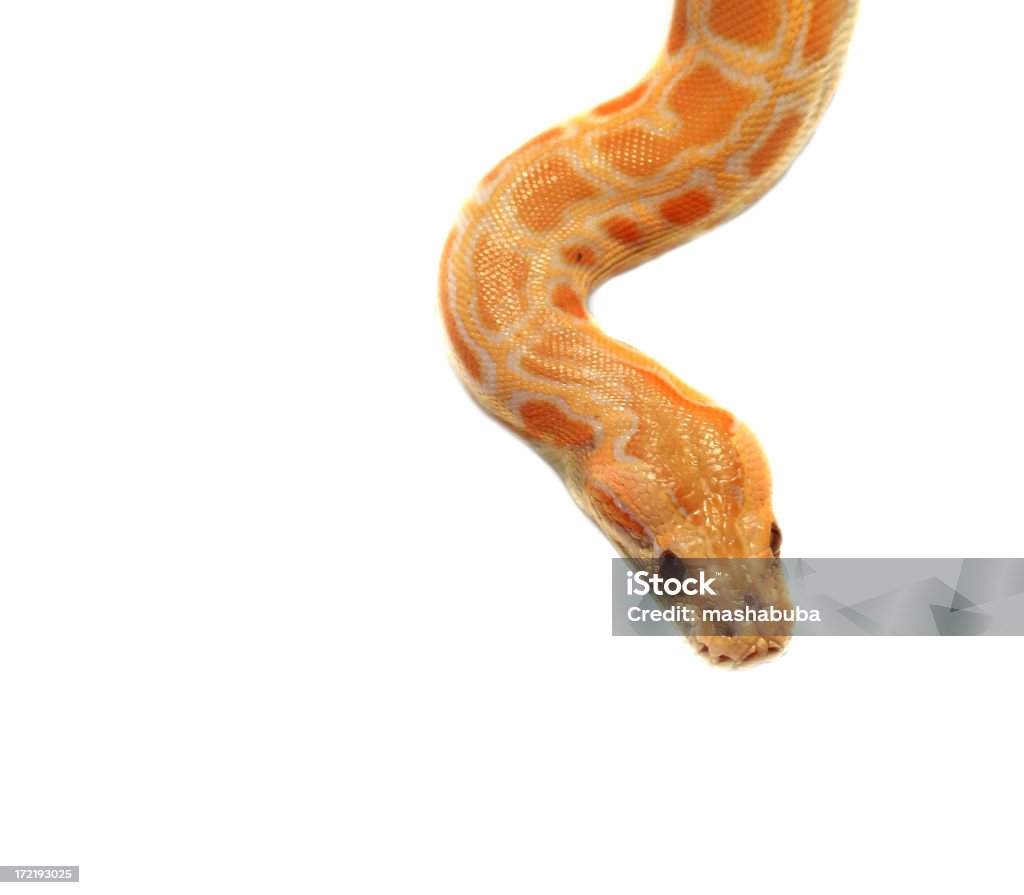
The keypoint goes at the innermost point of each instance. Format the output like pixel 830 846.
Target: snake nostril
pixel 776 539
pixel 671 566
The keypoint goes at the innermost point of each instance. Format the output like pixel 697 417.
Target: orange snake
pixel 733 97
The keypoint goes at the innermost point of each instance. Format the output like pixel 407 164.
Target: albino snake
pixel 733 97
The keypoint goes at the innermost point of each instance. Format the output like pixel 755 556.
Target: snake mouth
pixel 739 652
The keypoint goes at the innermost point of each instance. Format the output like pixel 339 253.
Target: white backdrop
pixel 279 608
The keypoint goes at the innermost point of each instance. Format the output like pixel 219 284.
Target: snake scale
pixel 733 96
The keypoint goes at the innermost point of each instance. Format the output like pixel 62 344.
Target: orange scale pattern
pixel 732 98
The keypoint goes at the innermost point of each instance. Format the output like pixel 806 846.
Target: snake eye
pixel 776 540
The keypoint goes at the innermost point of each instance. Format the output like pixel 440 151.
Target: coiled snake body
pixel 734 95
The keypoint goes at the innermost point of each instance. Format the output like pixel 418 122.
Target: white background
pixel 280 610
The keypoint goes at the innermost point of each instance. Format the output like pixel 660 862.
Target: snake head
pixel 742 618
pixel 703 515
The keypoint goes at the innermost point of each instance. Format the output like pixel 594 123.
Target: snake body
pixel 732 98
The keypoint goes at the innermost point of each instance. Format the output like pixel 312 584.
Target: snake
pixel 735 93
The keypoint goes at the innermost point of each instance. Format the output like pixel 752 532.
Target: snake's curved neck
pixel 736 91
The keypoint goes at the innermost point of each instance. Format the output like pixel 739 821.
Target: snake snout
pixel 742 642
pixel 740 650
pixel 745 623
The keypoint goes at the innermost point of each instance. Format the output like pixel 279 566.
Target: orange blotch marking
pixel 775 144
pixel 687 208
pixel 546 422
pixel 612 511
pixel 578 254
pixel 678 29
pixel 754 23
pixel 544 192
pixel 623 230
pixel 638 152
pixel 462 351
pixel 825 18
pixel 709 104
pixel 500 283
pixel 567 299
pixel 629 98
